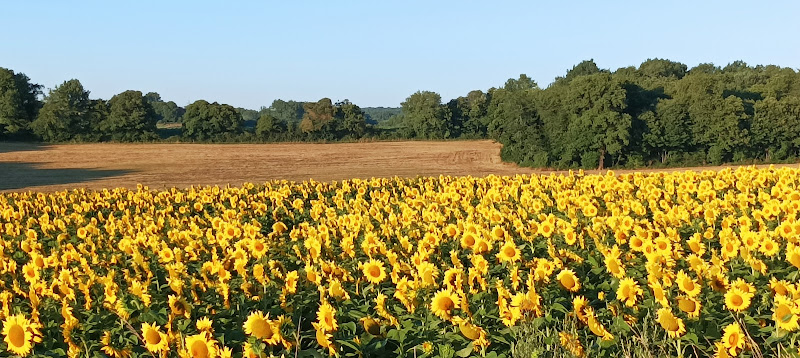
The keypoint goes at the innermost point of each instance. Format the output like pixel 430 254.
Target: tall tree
pixel 131 118
pixel 67 114
pixel 287 111
pixel 598 125
pixel 268 127
pixel 426 116
pixel 775 130
pixel 319 119
pixel 352 120
pixel 205 121
pixel 19 102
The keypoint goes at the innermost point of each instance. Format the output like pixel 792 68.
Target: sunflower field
pixel 696 264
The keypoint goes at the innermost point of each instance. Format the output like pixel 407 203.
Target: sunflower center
pixel 689 284
pixel 199 349
pixel 16 335
pixel 509 251
pixel 447 304
pixel 152 337
pixel 375 271
pixel 261 329
pixel 568 281
pixel 733 339
pixel 737 300
pixel 784 313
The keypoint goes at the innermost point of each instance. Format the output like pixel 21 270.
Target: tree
pixel 152 97
pixel 287 111
pixel 318 119
pixel 67 114
pixel 598 125
pixel 352 120
pixel 775 130
pixel 267 126
pixel 205 121
pixel 719 127
pixel 662 68
pixel 19 103
pixel 668 129
pixel 130 119
pixel 514 121
pixel 426 116
pixel 167 112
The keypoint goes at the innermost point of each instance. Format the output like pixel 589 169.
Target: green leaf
pixel 466 351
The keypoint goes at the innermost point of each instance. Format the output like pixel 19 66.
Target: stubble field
pixel 96 166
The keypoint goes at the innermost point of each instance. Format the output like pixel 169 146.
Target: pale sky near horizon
pixel 374 53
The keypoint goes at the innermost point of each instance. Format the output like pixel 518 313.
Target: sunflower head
pixel 20 334
pixel 569 280
pixel 444 302
pixel 374 271
pixel 258 326
pixel 200 346
pixel 326 318
pixel 673 325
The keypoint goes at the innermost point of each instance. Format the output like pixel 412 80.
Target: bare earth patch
pixel 25 166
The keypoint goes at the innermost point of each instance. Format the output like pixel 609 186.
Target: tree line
pixel 659 113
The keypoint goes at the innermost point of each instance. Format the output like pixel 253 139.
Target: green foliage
pixel 597 122
pixel 19 102
pixel 377 115
pixel 426 116
pixel 287 111
pixel 205 121
pixel 130 118
pixel 268 127
pixel 68 114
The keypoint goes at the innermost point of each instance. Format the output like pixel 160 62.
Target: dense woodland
pixel 659 113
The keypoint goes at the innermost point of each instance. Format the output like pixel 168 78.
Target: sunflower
pixel 769 247
pixel 374 272
pixel 579 303
pixel 323 338
pixel 690 305
pixel 568 280
pixel 779 287
pixel 659 294
pixel 508 253
pixel 673 325
pixel 179 306
pixel 204 325
pixel 468 240
pixel 595 326
pixel 614 266
pixel 326 316
pixel 290 284
pixel 20 334
pixel 785 313
pixel 793 256
pixel 427 274
pixel 154 340
pixel 443 303
pixel 571 343
pixel 371 325
pixel 733 339
pixel 200 346
pixel 737 300
pixel 687 284
pixel 628 291
pixel 258 326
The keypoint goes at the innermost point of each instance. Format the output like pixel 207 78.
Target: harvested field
pixel 25 166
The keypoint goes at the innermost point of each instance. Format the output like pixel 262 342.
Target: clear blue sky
pixel 375 53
